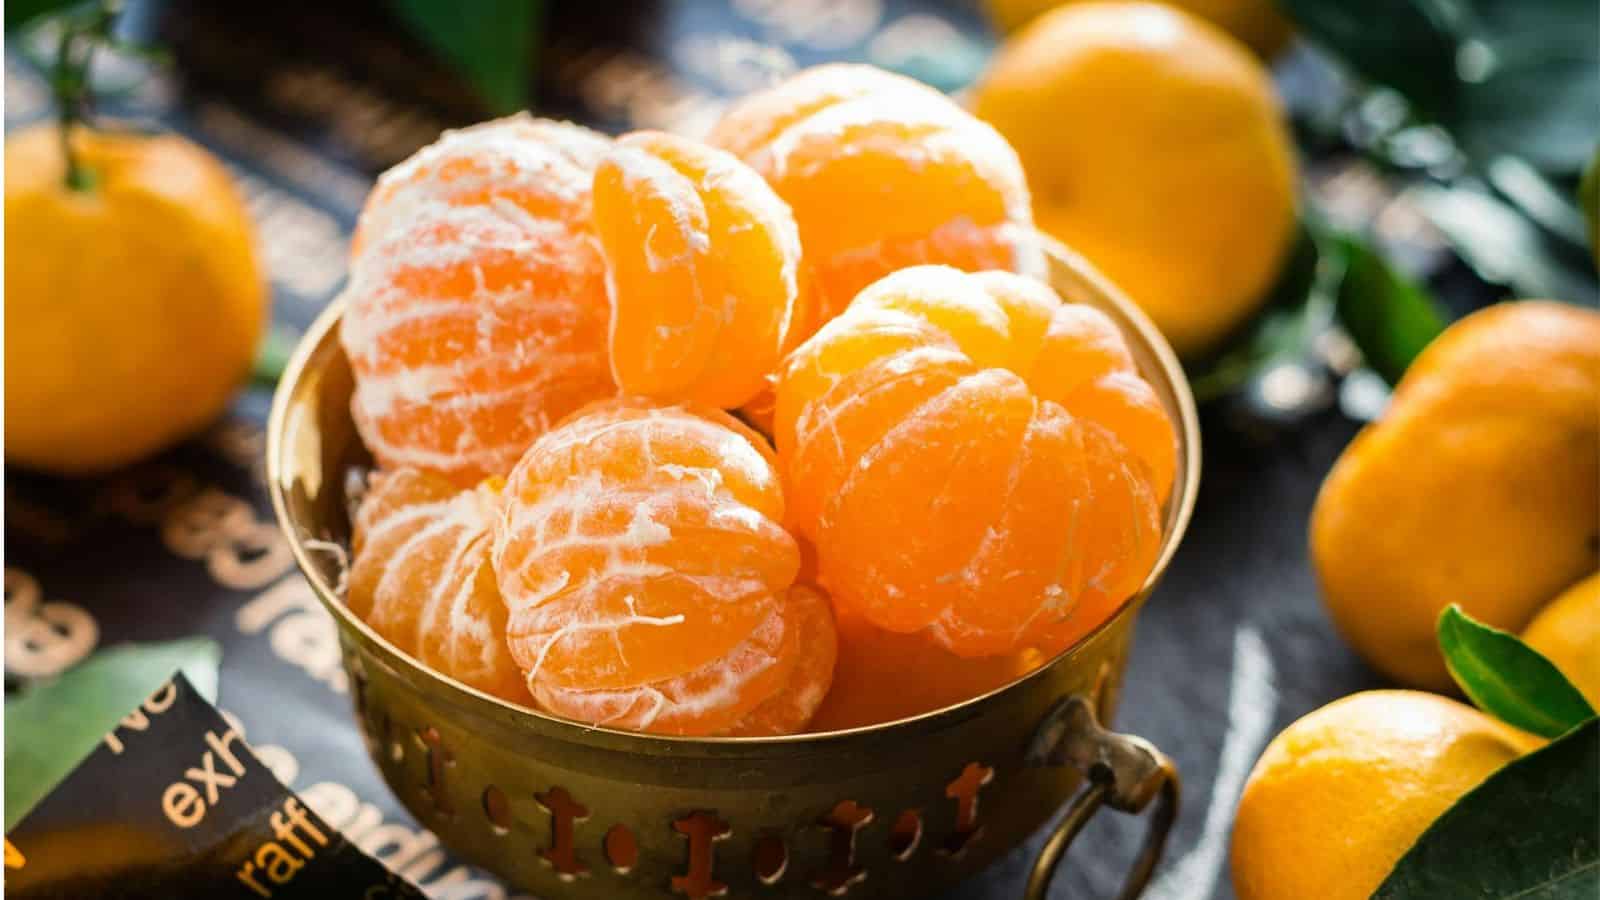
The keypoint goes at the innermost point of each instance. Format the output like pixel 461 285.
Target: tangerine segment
pixel 702 262
pixel 476 312
pixel 883 172
pixel 639 544
pixel 882 676
pixel 707 700
pixel 422 578
pixel 966 462
pixel 817 649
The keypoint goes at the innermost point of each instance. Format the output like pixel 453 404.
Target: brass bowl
pixel 566 810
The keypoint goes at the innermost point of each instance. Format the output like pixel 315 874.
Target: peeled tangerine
pixel 422 578
pixel 974 459
pixel 649 583
pixel 882 172
pixel 703 270
pixel 476 311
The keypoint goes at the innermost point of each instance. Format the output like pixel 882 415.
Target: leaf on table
pixel 1531 831
pixel 493 45
pixel 51 726
pixel 1504 77
pixel 1388 316
pixel 1508 679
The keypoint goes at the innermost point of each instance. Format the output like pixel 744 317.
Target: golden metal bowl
pixel 566 810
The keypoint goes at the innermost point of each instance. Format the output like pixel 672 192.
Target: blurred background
pixel 1439 150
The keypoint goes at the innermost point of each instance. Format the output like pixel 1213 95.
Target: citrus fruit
pixel 1484 473
pixel 133 304
pixel 1567 632
pixel 791 709
pixel 883 675
pixel 421 577
pixel 640 556
pixel 1155 146
pixel 702 268
pixel 971 456
pixel 476 311
pixel 1255 22
pixel 882 172
pixel 1342 793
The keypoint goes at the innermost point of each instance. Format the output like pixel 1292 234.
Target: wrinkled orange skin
pixel 975 460
pixel 647 577
pixel 421 578
pixel 702 269
pixel 476 312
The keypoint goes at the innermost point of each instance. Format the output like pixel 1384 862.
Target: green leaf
pixel 51 726
pixel 272 356
pixel 1508 679
pixel 1589 198
pixel 493 45
pixel 1531 831
pixel 21 12
pixel 1504 77
pixel 1389 316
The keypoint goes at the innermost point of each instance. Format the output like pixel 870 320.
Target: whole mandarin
pixel 421 577
pixel 647 576
pixel 968 458
pixel 1341 794
pixel 1480 485
pixel 1154 146
pixel 702 270
pixel 476 311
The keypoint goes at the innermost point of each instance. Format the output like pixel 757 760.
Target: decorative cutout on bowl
pixel 841 873
pixel 703 829
pixel 562 854
pixel 906 835
pixel 770 859
pixel 964 790
pixel 622 849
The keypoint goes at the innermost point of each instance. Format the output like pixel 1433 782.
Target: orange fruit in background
pixel 796 702
pixel 421 577
pixel 703 270
pixel 133 305
pixel 1479 485
pixel 882 172
pixel 1340 795
pixel 1155 146
pixel 645 571
pixel 476 310
pixel 971 457
pixel 1255 22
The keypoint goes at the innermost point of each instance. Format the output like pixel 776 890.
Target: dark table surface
pixel 307 103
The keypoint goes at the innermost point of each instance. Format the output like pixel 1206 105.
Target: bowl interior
pixel 314 457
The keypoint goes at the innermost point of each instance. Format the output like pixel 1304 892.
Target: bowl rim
pixel 1180 511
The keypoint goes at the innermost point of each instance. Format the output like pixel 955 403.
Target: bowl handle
pixel 1123 771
